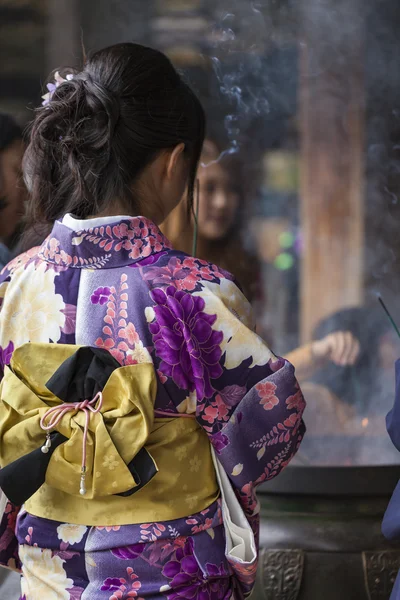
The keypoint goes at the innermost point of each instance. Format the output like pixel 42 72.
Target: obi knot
pixel 97 417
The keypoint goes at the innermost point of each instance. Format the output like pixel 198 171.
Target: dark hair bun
pixel 102 127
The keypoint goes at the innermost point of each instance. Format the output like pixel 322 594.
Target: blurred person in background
pixel 220 217
pixel 349 398
pixel 12 189
pixel 221 222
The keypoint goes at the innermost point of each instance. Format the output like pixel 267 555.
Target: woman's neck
pixel 118 209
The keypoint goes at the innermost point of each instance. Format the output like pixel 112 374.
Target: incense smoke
pixel 238 40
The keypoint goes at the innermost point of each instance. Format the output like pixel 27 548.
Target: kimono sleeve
pixel 393 417
pixel 249 402
pixel 8 511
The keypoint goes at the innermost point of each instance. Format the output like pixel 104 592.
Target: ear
pixel 173 159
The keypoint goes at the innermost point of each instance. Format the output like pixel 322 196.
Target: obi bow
pixel 73 417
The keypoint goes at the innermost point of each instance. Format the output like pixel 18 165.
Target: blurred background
pixel 299 188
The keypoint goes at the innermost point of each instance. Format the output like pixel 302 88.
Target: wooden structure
pixel 331 95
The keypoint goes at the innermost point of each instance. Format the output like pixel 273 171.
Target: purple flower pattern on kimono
pixel 186 577
pixel 101 295
pixel 185 341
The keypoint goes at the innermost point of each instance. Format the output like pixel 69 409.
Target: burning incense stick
pixel 196 219
pixel 389 316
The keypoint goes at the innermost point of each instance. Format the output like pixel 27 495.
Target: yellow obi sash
pixel 185 482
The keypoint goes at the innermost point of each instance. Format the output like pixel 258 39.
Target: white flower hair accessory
pixel 58 80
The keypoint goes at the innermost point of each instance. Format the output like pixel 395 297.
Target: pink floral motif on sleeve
pixel 266 391
pixel 296 401
pixel 279 433
pixel 21 261
pixel 185 274
pixel 248 490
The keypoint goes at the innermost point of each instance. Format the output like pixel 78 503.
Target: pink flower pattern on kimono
pixel 150 532
pixel 217 410
pixel 120 336
pixel 185 342
pixel 185 274
pixel 249 498
pixel 21 261
pixel 281 432
pixel 275 465
pixel 266 391
pixel 95 247
pixel 12 513
pixel 137 236
pixel 188 272
pixel 208 523
pixel 108 529
pixel 296 401
pixel 293 422
pixel 246 573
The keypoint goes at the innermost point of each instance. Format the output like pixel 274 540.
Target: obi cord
pixel 55 415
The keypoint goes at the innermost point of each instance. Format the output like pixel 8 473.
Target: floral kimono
pixel 177 331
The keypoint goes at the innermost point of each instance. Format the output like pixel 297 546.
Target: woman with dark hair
pixel 138 409
pixel 12 190
pixel 222 206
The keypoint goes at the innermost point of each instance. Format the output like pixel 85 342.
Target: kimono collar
pixel 105 242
